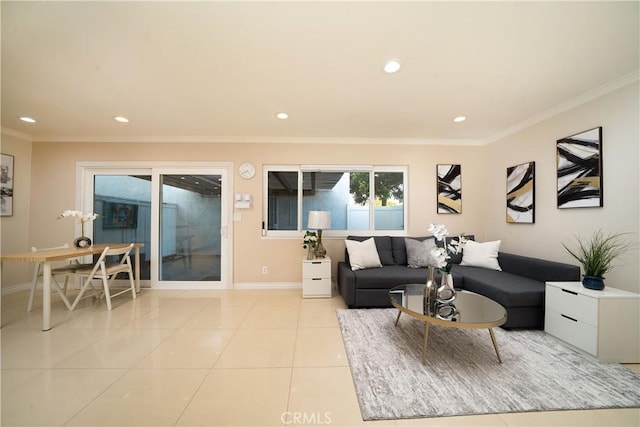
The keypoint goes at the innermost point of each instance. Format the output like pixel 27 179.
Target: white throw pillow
pixel 363 254
pixel 483 255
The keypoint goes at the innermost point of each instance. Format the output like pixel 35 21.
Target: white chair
pixel 55 272
pixel 106 272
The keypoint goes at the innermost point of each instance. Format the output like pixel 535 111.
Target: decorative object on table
pixel 6 185
pixel 441 255
pixel 430 298
pixel 319 220
pixel 309 243
pixel 82 241
pixel 597 255
pixel 521 187
pixel 579 168
pixel 449 189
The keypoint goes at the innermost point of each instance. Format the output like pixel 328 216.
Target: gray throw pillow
pixel 419 253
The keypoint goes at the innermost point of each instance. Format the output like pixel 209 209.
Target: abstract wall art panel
pixel 6 185
pixel 579 163
pixel 449 189
pixel 521 193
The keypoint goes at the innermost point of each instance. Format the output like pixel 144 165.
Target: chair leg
pixel 34 285
pixel 105 285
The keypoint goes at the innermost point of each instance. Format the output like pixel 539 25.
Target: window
pixel 357 197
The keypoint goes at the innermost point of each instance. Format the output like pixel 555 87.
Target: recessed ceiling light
pixel 121 119
pixel 391 66
pixel 460 119
pixel 27 119
pixel 282 116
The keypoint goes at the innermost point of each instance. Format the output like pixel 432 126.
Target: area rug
pixel 462 375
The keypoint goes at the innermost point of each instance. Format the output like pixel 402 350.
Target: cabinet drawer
pixel 574 332
pixel 576 306
pixel 316 269
pixel 316 288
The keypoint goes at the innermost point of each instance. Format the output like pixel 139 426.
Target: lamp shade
pixel 320 220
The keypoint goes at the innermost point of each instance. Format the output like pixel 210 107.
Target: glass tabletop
pixel 467 310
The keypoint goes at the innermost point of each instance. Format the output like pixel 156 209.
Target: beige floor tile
pixel 318 316
pixel 240 397
pixel 491 420
pixel 259 348
pixel 231 297
pixel 155 297
pixel 184 301
pixel 556 418
pixel 316 347
pixel 280 298
pixel 218 316
pixel 52 396
pixel 335 301
pixel 628 417
pixel 633 366
pixel 109 352
pixel 48 348
pixel 326 393
pixel 143 397
pixel 271 317
pixel 164 317
pixel 189 348
pixel 101 318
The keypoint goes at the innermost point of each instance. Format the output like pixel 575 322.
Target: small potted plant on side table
pixel 597 255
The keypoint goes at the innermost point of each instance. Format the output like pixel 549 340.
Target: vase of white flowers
pixel 440 256
pixel 309 243
pixel 82 241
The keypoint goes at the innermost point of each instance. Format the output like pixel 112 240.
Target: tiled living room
pixel 206 132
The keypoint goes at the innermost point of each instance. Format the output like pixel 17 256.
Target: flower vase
pixel 446 292
pixel 430 298
pixel 82 241
pixel 320 252
pixel 310 252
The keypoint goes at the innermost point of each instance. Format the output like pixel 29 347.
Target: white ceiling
pixel 221 70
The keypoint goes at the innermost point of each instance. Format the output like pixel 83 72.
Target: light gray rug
pixel 462 375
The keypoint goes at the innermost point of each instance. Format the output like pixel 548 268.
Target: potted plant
pixel 309 242
pixel 597 255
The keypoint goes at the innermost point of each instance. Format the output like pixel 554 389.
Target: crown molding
pixel 17 134
pixel 259 140
pixel 591 95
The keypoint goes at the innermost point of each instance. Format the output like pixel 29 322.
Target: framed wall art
pixel 521 193
pixel 6 185
pixel 579 165
pixel 449 179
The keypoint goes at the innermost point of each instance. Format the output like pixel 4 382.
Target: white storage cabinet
pixel 316 278
pixel 603 323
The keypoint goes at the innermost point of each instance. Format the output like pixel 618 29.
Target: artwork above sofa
pixel 516 282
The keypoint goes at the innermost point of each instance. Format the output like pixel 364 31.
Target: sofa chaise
pixel 519 287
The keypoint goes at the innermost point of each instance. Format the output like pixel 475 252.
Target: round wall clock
pixel 247 170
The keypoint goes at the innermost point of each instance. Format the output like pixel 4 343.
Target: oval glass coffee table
pixel 468 311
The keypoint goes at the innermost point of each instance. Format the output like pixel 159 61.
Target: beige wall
pixel 53 183
pixel 14 230
pixel 618 114
pixel 54 180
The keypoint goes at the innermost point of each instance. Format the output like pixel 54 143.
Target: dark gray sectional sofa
pixel 519 287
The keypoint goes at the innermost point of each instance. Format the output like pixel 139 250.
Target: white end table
pixel 316 278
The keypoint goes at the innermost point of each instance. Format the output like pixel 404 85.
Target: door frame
pixel 85 171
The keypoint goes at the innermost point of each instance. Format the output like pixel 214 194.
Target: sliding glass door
pixel 178 213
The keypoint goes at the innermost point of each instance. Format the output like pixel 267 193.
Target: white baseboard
pixel 268 285
pixel 12 289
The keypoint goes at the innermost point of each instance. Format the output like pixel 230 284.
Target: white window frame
pixel 300 169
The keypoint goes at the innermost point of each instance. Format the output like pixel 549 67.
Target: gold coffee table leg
pixel 398 318
pixel 424 345
pixel 495 345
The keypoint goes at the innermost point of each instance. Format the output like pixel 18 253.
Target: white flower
pixel 439 257
pixel 82 217
pixel 439 231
